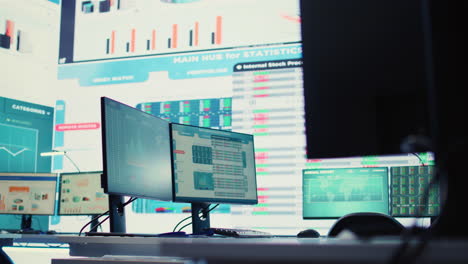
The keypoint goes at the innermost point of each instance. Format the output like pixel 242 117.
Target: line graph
pixel 18 148
pixel 8 150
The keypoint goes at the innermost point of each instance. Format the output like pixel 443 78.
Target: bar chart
pixel 119 29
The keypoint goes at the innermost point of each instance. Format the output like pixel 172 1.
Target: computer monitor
pixel 365 78
pixel 212 166
pixel 377 81
pixel 136 157
pixel 81 193
pixel 27 194
pixel 331 193
pixel 410 195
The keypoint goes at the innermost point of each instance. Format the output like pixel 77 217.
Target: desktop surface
pixel 265 250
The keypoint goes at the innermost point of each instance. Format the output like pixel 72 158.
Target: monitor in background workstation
pixel 331 193
pixel 81 193
pixel 212 166
pixel 136 157
pixel 413 191
pixel 27 194
pixel 375 85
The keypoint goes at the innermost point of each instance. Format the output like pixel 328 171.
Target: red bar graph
pixel 153 39
pixel 175 28
pixel 10 30
pixel 197 32
pixel 132 41
pixel 218 32
pixel 112 48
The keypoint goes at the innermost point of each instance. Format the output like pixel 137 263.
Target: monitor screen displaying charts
pixel 335 192
pixel 82 194
pixel 214 166
pixel 27 193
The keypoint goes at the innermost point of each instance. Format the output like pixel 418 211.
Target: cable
pixel 180 229
pixel 180 222
pixel 107 212
pixel 94 218
pixel 74 164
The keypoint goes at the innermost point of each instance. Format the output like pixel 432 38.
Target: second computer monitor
pixel 81 194
pixel 213 166
pixel 136 152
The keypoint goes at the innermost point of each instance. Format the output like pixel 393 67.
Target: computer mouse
pixel 309 233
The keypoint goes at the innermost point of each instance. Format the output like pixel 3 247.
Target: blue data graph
pixel 18 148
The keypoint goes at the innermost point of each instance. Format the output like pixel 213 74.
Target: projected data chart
pixel 268 103
pixel 96 30
pixel 18 147
pixel 209 112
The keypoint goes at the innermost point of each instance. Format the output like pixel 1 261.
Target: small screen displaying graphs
pixel 212 113
pixel 27 193
pixel 25 132
pixel 121 28
pixel 410 193
pixel 82 194
pixel 332 193
pixel 213 165
pixel 137 159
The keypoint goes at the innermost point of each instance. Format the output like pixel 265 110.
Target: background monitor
pixel 408 188
pixel 213 166
pixel 27 193
pixel 365 78
pixel 136 152
pixel 82 194
pixel 334 192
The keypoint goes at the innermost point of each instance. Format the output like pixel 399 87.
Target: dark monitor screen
pixel 410 196
pixel 365 78
pixel 136 152
pixel 81 193
pixel 27 193
pixel 214 166
pixel 334 192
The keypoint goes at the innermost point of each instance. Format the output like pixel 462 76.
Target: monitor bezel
pixel 45 174
pixel 60 192
pixel 185 199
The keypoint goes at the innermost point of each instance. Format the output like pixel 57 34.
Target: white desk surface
pixel 258 250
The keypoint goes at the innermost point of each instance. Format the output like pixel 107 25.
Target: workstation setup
pixel 174 132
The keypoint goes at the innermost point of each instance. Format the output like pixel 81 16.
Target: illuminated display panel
pixel 82 194
pixel 27 193
pixel 213 165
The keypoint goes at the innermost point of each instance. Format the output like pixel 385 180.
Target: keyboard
pixel 235 232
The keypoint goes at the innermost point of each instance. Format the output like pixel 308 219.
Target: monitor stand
pixel 26 222
pixel 116 214
pixel 200 218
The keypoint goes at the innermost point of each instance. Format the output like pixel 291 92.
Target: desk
pixel 264 250
pixel 248 250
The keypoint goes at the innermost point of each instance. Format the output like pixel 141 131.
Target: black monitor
pixel 27 194
pixel 331 193
pixel 212 166
pixel 136 157
pixel 365 78
pixel 81 193
pixel 377 80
